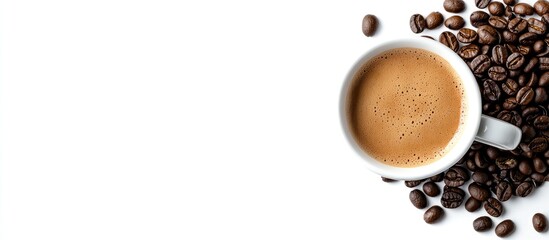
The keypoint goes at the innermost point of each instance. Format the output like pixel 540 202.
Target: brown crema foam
pixel 405 107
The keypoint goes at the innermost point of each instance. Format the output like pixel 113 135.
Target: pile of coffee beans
pixel 508 52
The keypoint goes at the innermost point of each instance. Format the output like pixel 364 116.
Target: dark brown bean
pixel 467 35
pixel 539 221
pixel 369 25
pixel 541 122
pixel 510 103
pixel 433 214
pixel 536 26
pixel 525 95
pixel 496 8
pixel 479 18
pixel 517 25
pixel 417 23
pixel 537 145
pixel 515 61
pixel 480 64
pixel 482 3
pixel 509 2
pixel 452 197
pixel 493 207
pixel 540 46
pixel 433 20
pixel 454 22
pixel 470 51
pixel 491 90
pixel 531 65
pixel 412 183
pixel 497 73
pixel 418 199
pixel 524 189
pixel 505 228
pixel 472 204
pixel 523 9
pixel 499 54
pixel 449 39
pixel 482 224
pixel 541 7
pixel 509 37
pixel 510 87
pixel 431 189
pixel 497 22
pixel 478 192
pixel 544 79
pixel 539 165
pixel 454 6
pixel 528 38
pixel 541 95
pixel 487 35
pixel 504 191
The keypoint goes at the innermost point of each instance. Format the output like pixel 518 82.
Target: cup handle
pixel 498 133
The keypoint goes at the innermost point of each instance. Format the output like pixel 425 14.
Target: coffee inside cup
pixel 405 107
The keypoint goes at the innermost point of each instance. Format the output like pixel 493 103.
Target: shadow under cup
pixel 470 119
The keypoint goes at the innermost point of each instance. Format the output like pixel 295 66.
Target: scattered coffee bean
pixel 417 23
pixel 517 25
pixel 478 192
pixel 454 6
pixel 496 8
pixel 497 73
pixel 509 37
pixel 539 165
pixel 493 207
pixel 456 176
pixel 491 90
pixel 480 64
pixel 431 189
pixel 537 145
pixel 452 197
pixel 418 199
pixel 482 224
pixel 433 214
pixel 470 51
pixel 472 204
pixel 541 7
pixel 454 22
pixel 536 26
pixel 482 3
pixel 539 221
pixel 369 25
pixel 515 61
pixel 467 35
pixel 497 22
pixel 412 184
pixel 449 39
pixel 437 178
pixel 525 95
pixel 509 2
pixel 487 35
pixel 479 18
pixel 524 189
pixel 541 122
pixel 433 20
pixel 527 39
pixel 504 228
pixel 504 191
pixel 523 9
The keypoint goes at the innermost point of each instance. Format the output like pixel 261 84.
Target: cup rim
pixel 472 117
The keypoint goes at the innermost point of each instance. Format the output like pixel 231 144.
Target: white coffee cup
pixel 477 127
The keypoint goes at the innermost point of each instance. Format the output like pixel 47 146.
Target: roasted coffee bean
pixel 510 87
pixel 525 152
pixel 540 46
pixel 524 189
pixel 492 153
pixel 528 133
pixel 412 184
pixel 514 73
pixel 481 177
pixel 512 48
pixel 491 90
pixel 544 79
pixel 509 2
pixel 517 25
pixel 454 22
pixel 493 207
pixel 509 37
pixel 433 20
pixel 433 214
pixel 541 122
pixel 528 38
pixel 437 178
pixel 387 180
pixel 510 103
pixel 506 163
pixel 525 50
pixel 479 18
pixel 497 73
pixel 452 197
pixel 491 109
pixel 505 116
pixel 454 6
pixel 530 113
pixel 417 23
pixel 482 3
pixel 497 22
pixel 514 61
pixel 431 189
pixel 449 39
pixel 418 199
pixel 496 8
pixel 539 221
pixel 504 191
pixel 541 95
pixel 456 176
pixel 523 9
pixel 478 192
pixel 482 224
pixel 470 164
pixel 369 25
pixel 504 228
pixel 472 204
pixel 480 161
pixel 536 26
pixel 516 176
pixel 499 54
pixel 539 165
pixel 541 7
pixel 537 145
pixel 525 167
pixel 531 65
pixel 543 63
pixel 467 35
pixel 487 35
pixel 468 51
pixel 538 179
pixel 525 95
pixel 480 64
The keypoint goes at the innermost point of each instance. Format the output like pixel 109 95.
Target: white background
pixel 173 119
